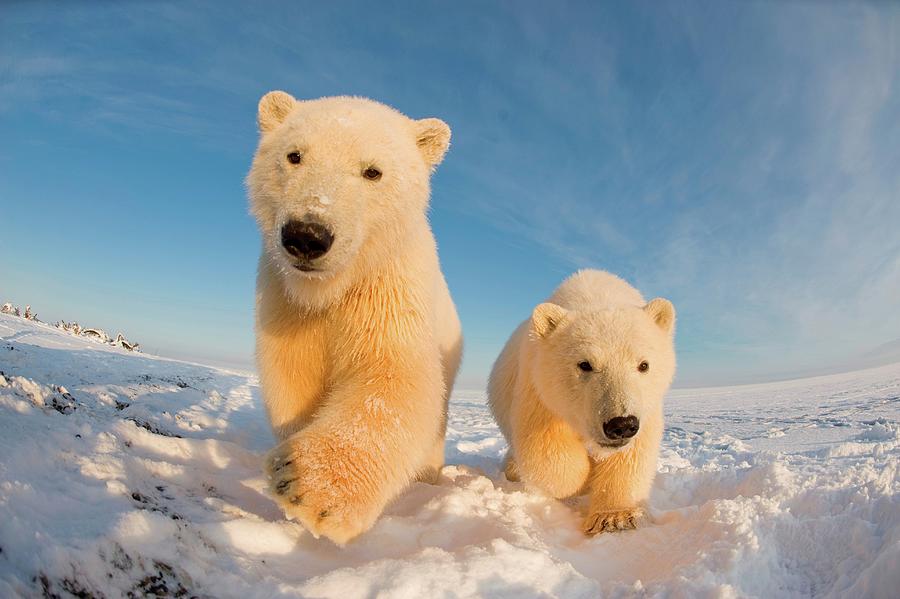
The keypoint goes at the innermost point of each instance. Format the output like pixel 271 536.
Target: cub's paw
pixel 315 484
pixel 612 521
pixel 510 469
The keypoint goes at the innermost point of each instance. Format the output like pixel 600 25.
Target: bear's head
pixel 604 371
pixel 336 186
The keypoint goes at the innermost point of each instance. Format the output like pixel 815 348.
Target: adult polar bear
pixel 357 338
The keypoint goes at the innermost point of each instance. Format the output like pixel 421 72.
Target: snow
pixel 125 473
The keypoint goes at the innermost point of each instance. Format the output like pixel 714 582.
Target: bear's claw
pixel 612 521
pixel 315 494
pixel 282 486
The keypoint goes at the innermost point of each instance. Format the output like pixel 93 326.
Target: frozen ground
pixel 142 476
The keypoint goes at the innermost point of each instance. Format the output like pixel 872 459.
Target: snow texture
pixel 129 475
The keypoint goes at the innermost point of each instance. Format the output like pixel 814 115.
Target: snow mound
pixel 129 475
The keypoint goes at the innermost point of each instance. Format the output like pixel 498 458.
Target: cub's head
pixel 336 183
pixel 604 371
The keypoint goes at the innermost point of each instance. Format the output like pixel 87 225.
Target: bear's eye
pixel 644 366
pixel 585 366
pixel 372 174
pixel 295 157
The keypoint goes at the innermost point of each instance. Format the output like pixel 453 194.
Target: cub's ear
pixel 546 317
pixel 273 109
pixel 433 139
pixel 662 312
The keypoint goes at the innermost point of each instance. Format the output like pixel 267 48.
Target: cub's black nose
pixel 623 427
pixel 306 240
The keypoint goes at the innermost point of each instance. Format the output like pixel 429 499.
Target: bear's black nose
pixel 306 240
pixel 623 427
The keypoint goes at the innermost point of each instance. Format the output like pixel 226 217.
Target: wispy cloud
pixel 759 187
pixel 740 158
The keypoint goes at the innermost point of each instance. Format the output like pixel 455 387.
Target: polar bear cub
pixel 357 338
pixel 578 393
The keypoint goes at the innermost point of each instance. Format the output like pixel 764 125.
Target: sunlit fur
pixel 552 412
pixel 356 360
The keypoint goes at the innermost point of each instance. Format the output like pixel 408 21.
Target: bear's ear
pixel 546 317
pixel 273 109
pixel 662 312
pixel 433 139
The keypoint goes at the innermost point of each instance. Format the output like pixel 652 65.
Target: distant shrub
pixel 73 328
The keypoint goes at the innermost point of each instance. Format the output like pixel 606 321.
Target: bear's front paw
pixel 316 484
pixel 611 521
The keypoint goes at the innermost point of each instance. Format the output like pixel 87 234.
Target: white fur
pixel 356 358
pixel 552 412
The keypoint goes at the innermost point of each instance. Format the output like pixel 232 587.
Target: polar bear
pixel 577 391
pixel 357 339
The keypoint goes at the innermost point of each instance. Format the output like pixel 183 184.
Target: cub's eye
pixel 585 366
pixel 372 174
pixel 295 157
pixel 644 366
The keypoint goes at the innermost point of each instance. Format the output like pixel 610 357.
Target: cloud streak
pixel 739 158
pixel 758 186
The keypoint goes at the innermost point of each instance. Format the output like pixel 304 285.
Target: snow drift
pixel 126 474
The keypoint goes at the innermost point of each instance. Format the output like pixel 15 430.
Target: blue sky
pixel 738 158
